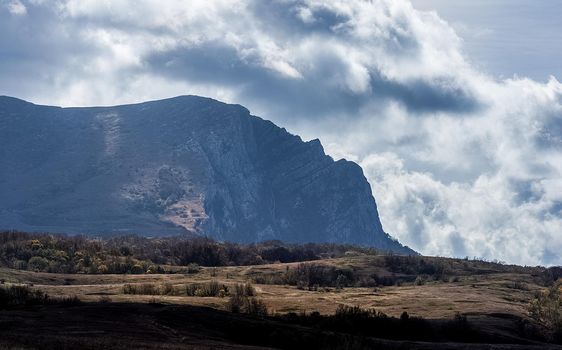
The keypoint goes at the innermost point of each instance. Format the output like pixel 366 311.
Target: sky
pixel 506 37
pixel 453 109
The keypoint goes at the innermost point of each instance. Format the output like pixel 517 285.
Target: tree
pixel 37 263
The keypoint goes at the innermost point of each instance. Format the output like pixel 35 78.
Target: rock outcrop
pixel 185 164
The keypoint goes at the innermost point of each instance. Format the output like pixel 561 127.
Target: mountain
pixel 181 165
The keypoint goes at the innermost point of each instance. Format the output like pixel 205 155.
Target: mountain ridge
pixel 182 164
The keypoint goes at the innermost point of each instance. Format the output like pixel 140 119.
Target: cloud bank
pixel 461 164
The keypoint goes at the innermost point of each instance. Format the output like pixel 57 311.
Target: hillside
pixel 340 297
pixel 185 165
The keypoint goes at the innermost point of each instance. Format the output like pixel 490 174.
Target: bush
pixel 191 289
pixel 341 281
pixel 517 285
pixel 141 289
pixel 256 306
pixel 546 308
pixel 137 269
pixel 245 289
pixel 104 299
pixel 370 323
pixel 417 265
pixel 167 289
pixel 193 268
pixel 20 265
pixel 420 281
pixel 345 311
pixel 20 296
pixel 152 269
pixel 68 301
pixel 150 289
pixel 243 300
pixel 213 288
pixel 38 263
pixel 307 275
pixel 210 289
pixel 454 279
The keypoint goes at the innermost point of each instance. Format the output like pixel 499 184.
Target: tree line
pixel 134 254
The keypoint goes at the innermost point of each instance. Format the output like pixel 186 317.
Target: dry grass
pixel 487 293
pixel 493 297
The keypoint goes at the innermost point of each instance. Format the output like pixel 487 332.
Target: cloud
pixel 15 7
pixel 460 163
pixel 465 219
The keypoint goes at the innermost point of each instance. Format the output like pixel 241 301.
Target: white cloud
pixel 15 7
pixel 460 163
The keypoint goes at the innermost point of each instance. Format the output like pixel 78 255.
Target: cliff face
pixel 186 164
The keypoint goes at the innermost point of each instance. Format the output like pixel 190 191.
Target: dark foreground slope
pixel 186 164
pixel 108 325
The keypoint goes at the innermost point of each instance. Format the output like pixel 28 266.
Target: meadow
pixel 361 298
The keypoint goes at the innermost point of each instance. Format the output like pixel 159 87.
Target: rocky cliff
pixel 185 164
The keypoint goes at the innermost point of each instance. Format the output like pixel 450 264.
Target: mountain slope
pixel 185 164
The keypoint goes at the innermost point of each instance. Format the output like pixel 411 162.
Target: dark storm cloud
pixel 214 63
pixel 286 18
pixel 311 97
pixel 422 96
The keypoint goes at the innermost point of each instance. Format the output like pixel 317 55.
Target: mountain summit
pixel 184 164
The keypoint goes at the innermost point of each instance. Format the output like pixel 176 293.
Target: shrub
pixel 102 269
pixel 104 299
pixel 256 306
pixel 210 289
pixel 137 269
pixel 20 265
pixel 150 289
pixel 249 290
pixel 420 281
pixel 385 280
pixel 517 285
pixel 416 265
pixel 20 296
pixel 167 289
pixel 141 289
pixel 193 268
pixel 308 275
pixel 38 263
pixel 69 301
pixel 341 281
pixel 546 308
pixel 213 288
pixel 235 303
pixel 243 300
pixel 191 289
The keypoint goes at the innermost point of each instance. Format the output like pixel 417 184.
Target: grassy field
pixel 484 294
pixel 494 298
pixel 77 292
